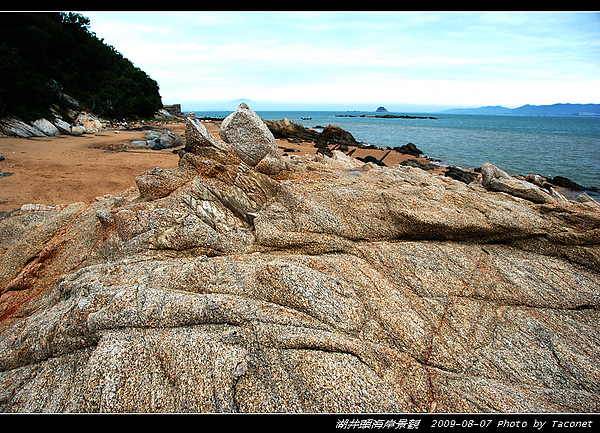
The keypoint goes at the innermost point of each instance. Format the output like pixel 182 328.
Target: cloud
pixel 488 58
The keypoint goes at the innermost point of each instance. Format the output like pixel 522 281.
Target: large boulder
pixel 333 135
pixel 336 287
pixel 290 130
pixel 46 127
pixel 13 127
pixel 251 138
pixel 62 126
pixel 495 179
pixel 409 149
pixel 89 122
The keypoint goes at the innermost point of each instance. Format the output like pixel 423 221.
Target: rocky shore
pixel 246 280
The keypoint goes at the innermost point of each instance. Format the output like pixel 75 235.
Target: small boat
pixel 306 118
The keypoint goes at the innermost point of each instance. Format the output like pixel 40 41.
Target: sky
pixel 404 61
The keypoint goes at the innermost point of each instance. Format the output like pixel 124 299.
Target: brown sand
pixel 67 169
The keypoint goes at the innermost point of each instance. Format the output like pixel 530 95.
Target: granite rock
pixel 496 179
pixel 252 139
pixel 333 286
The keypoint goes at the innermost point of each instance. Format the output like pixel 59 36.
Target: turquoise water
pixel 545 145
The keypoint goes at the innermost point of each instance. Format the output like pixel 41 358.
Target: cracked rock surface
pixel 330 286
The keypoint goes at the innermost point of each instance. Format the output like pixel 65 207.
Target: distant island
pixel 533 110
pixel 385 116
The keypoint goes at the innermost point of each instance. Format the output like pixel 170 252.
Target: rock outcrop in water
pixel 331 286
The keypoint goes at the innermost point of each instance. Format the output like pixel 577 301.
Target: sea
pixel 567 146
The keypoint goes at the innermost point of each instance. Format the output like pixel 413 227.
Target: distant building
pixel 173 110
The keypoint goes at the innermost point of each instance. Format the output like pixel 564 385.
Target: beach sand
pixel 67 169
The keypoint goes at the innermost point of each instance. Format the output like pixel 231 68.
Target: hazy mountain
pixel 534 110
pixel 240 100
pixel 481 110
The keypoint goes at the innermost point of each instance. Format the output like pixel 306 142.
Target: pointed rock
pixel 252 139
pixel 202 143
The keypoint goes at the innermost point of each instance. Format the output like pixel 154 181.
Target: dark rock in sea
pixel 381 110
pixel 566 183
pixel 386 116
pixel 409 149
pixel 459 174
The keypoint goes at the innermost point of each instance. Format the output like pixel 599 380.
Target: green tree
pixel 46 55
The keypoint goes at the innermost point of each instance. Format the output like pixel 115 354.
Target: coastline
pixel 66 169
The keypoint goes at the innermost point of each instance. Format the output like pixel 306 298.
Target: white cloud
pixel 456 59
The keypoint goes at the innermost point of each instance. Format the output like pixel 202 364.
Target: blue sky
pixel 406 61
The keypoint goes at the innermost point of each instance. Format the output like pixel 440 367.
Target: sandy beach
pixel 67 169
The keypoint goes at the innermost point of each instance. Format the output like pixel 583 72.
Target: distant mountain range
pixel 534 110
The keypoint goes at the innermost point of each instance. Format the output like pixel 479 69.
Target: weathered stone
pixel 251 138
pixel 78 130
pixel 46 127
pixel 13 127
pixel 335 286
pixel 62 126
pixel 202 143
pixel 497 180
pixel 89 122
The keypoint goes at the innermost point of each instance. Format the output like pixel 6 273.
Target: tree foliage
pixel 44 56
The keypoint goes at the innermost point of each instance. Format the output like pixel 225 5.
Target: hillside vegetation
pixel 47 57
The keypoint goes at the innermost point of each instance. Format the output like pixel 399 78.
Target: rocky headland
pixel 243 280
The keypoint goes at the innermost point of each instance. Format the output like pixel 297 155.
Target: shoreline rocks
pixel 290 130
pixel 495 179
pixel 386 116
pixel 409 149
pixel 157 141
pixel 84 123
pixel 331 286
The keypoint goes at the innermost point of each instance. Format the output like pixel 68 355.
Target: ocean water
pixel 546 145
